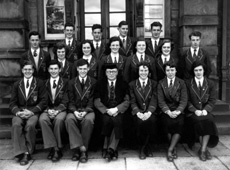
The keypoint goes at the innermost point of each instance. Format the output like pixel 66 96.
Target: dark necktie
pixel 54 84
pixel 27 84
pixel 112 91
pixel 143 85
pixel 194 54
pixel 82 83
pixel 97 46
pixel 142 58
pixel 165 60
pixel 115 59
pixel 124 43
pixel 170 87
pixel 155 46
pixel 61 63
pixel 35 53
pixel 200 88
pixel 69 43
pixel 171 83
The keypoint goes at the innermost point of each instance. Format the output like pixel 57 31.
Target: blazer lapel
pixel 164 85
pixel 129 44
pixel 195 88
pixel 200 54
pixel 31 58
pixel 66 68
pixel 204 88
pixel 49 89
pixel 160 63
pixel 139 89
pixel 92 63
pixel 22 88
pixel 148 89
pixel 59 87
pixel 109 59
pixel 135 59
pixel 86 86
pixel 150 46
pixel 176 85
pixel 189 56
pixel 32 87
pixel 77 86
pixel 41 58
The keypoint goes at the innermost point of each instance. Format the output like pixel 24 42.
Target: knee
pixel 88 121
pixel 69 121
pixel 59 121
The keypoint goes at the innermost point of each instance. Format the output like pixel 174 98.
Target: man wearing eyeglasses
pixel 112 101
pixel 155 41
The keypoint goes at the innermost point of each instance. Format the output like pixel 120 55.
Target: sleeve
pixel 183 97
pixel 97 100
pixel 71 106
pixel 133 100
pixel 64 102
pixel 14 108
pixel 153 102
pixel 161 99
pixel 212 97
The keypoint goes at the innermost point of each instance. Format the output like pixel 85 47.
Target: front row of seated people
pixel 60 105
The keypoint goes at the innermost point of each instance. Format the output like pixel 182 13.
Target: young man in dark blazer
pixel 52 120
pixel 28 100
pixel 80 119
pixel 112 101
pixel 37 56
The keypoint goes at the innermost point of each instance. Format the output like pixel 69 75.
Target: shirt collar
pixel 139 56
pixel 199 80
pixel 123 38
pixel 80 78
pixel 37 50
pixel 95 43
pixel 153 40
pixel 168 80
pixel 67 41
pixel 141 81
pixel 30 80
pixel 62 61
pixel 192 50
pixel 114 82
pixel 52 79
pixel 88 58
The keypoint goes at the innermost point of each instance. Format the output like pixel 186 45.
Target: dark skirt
pixel 110 123
pixel 172 125
pixel 201 126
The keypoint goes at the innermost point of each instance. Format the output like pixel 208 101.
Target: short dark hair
pixel 69 24
pixel 144 64
pixel 82 62
pixel 54 62
pixel 171 64
pixel 194 33
pixel 34 33
pixel 58 46
pixel 109 66
pixel 80 53
pixel 156 24
pixel 135 44
pixel 112 39
pixel 27 62
pixel 97 26
pixel 196 64
pixel 122 23
pixel 167 40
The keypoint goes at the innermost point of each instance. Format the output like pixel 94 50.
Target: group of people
pixel 93 78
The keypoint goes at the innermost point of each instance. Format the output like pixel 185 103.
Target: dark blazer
pixel 143 101
pixel 36 100
pixel 72 50
pixel 100 52
pixel 44 59
pixel 131 71
pixel 101 95
pixel 129 47
pixel 61 97
pixel 187 60
pixel 160 66
pixel 149 51
pixel 178 98
pixel 66 72
pixel 205 101
pixel 81 100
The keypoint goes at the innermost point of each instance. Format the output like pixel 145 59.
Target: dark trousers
pixel 79 130
pixel 52 129
pixel 24 134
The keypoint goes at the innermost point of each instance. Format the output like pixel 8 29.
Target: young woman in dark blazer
pixel 199 120
pixel 172 100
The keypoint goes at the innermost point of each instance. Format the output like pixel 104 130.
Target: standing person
pixel 127 42
pixel 60 52
pixel 98 43
pixel 71 43
pixel 143 101
pixel 112 100
pixel 80 119
pixel 113 56
pixel 172 100
pixel 37 56
pixel 199 120
pixel 28 100
pixel 163 57
pixel 131 66
pixel 155 41
pixel 52 120
pixel 86 51
pixel 194 53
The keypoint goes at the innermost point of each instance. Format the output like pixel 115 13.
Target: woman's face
pixel 170 72
pixel 141 46
pixel 166 48
pixel 115 46
pixel 199 72
pixel 86 49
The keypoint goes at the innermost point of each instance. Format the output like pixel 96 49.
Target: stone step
pixel 221 106
pixel 6 99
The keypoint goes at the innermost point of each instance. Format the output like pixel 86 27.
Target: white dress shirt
pixel 25 83
pixel 53 90
pixel 36 59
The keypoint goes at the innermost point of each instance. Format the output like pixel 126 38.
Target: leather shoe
pixel 57 155
pixel 115 155
pixel 169 156
pixel 109 154
pixel 83 157
pixel 51 153
pixel 142 153
pixel 25 160
pixel 18 157
pixel 76 156
pixel 148 151
pixel 174 153
pixel 202 155
pixel 208 155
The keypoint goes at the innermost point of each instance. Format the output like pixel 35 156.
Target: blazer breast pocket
pixel 34 96
pixel 206 97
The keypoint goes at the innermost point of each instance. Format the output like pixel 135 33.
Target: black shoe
pixel 25 160
pixel 115 155
pixel 51 153
pixel 208 155
pixel 76 155
pixel 109 154
pixel 18 157
pixel 57 155
pixel 83 157
pixel 142 153
pixel 148 151
pixel 202 155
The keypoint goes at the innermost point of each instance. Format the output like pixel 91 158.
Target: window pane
pixel 115 18
pixel 154 2
pixel 91 19
pixel 113 31
pixel 117 5
pixel 88 33
pixel 155 11
pixel 92 5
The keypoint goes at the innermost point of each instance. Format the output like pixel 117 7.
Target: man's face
pixel 156 31
pixel 141 46
pixel 115 46
pixel 195 41
pixel 123 30
pixel 86 49
pixel 143 72
pixel 111 74
pixel 28 71
pixel 34 41
pixel 54 70
pixel 69 32
pixel 61 54
pixel 97 34
pixel 82 70
pixel 199 72
pixel 166 48
pixel 170 72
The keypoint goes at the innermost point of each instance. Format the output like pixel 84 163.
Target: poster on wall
pixel 54 18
